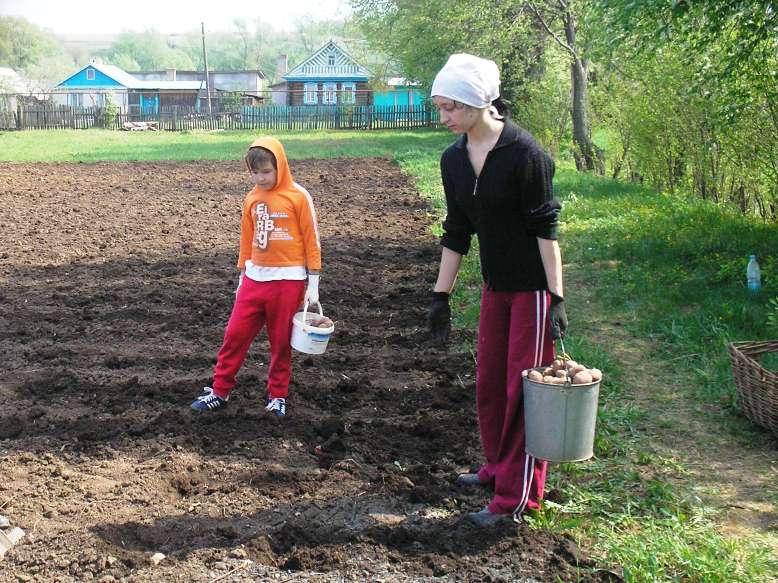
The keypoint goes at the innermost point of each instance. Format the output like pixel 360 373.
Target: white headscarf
pixel 468 79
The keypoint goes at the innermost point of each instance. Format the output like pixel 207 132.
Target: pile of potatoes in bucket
pixel 563 371
pixel 318 321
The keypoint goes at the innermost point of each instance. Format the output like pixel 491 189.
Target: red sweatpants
pixel 258 303
pixel 513 335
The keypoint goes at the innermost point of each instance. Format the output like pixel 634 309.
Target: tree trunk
pixel 587 155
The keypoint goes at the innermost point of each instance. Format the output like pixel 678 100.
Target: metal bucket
pixel 559 420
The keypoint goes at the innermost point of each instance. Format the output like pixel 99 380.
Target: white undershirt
pixel 261 273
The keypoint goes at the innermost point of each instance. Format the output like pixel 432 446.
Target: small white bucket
pixel 309 339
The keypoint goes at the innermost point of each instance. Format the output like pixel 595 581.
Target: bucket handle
pixel 565 358
pixel 307 327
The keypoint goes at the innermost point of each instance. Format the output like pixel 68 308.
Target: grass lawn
pixel 669 268
pixel 94 145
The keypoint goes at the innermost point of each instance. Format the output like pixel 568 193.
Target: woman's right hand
pixel 439 317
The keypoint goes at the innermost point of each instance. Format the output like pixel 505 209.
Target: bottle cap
pixel 752 256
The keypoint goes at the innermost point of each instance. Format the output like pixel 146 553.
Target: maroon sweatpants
pixel 258 303
pixel 513 335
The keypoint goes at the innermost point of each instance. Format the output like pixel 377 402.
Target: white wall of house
pixel 245 81
pixel 89 98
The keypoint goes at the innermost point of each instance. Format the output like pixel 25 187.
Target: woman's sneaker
pixel 277 407
pixel 208 401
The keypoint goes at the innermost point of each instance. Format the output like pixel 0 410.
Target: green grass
pixel 676 264
pixel 680 263
pixel 95 145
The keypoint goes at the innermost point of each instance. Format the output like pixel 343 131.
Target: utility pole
pixel 205 62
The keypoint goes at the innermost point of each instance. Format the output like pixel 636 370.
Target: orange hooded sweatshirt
pixel 278 227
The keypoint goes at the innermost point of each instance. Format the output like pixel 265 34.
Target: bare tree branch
pixel 551 33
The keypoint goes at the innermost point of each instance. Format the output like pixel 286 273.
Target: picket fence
pixel 362 117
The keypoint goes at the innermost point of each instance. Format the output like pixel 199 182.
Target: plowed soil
pixel 117 282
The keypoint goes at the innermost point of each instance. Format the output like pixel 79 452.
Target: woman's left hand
pixel 558 317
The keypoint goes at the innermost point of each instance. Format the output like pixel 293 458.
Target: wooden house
pixel 328 77
pixel 90 86
pixel 249 83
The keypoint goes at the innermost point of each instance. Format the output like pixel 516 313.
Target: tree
pixel 148 50
pixel 22 44
pixel 714 66
pixel 420 35
pixel 562 13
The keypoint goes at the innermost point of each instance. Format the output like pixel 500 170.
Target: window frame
pixel 310 93
pixel 329 93
pixel 90 74
pixel 348 93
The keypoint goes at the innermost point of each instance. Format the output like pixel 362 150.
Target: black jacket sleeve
pixel 457 227
pixel 541 209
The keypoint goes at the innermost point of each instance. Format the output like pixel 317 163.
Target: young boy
pixel 279 251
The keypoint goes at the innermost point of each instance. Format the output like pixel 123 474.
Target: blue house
pixel 91 85
pixel 328 77
pixel 400 92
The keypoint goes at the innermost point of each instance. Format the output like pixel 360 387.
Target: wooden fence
pixel 363 117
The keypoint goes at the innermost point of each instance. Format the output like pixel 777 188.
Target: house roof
pixel 124 78
pixel 210 72
pixel 318 67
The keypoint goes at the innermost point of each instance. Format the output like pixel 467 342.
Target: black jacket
pixel 508 206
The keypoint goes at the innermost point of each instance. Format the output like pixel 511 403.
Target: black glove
pixel 439 317
pixel 558 317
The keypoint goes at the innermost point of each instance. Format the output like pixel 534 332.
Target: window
pixel 310 97
pixel 90 74
pixel 331 60
pixel 330 93
pixel 74 99
pixel 348 93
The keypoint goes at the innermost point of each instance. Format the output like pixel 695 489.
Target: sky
pixel 166 16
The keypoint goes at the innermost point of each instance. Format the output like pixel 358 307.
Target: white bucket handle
pixel 307 327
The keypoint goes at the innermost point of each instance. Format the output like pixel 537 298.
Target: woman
pixel 497 182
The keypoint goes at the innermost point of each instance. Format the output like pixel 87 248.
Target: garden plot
pixel 117 281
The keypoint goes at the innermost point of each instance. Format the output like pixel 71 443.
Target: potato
pixel 535 375
pixel 574 370
pixel 558 364
pixel 548 372
pixel 596 374
pixel 562 374
pixel 557 381
pixel 570 364
pixel 582 378
pixel 549 380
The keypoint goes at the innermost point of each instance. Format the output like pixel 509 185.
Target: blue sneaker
pixel 208 401
pixel 277 407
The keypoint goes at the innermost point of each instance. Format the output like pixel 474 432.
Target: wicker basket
pixel 757 387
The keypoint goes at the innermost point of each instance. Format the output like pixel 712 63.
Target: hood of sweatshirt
pixel 284 181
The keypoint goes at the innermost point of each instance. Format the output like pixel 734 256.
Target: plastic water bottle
pixel 753 275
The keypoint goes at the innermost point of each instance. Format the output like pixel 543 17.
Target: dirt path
pixel 117 280
pixel 733 474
